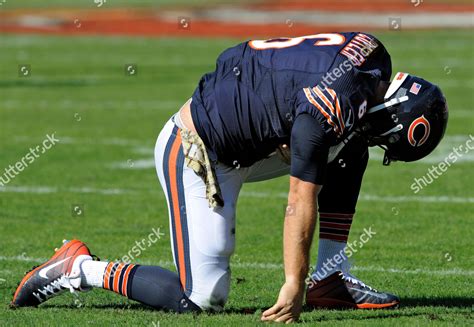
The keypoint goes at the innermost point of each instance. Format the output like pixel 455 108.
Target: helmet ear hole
pixel 395 118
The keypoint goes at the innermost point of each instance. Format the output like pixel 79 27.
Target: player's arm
pixel 309 151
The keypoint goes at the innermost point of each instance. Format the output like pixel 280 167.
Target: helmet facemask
pixel 380 126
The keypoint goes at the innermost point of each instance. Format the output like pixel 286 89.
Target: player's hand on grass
pixel 287 309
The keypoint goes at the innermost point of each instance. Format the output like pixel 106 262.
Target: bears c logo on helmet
pixel 411 131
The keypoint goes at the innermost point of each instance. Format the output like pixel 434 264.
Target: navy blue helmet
pixel 411 122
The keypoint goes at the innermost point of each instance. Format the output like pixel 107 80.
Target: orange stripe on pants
pixel 172 166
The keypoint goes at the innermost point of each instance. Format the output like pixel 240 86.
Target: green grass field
pixel 107 123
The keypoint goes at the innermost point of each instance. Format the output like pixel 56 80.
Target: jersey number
pixel 326 39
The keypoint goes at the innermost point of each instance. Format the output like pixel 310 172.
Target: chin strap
pixel 386 159
pixel 388 136
pixel 379 141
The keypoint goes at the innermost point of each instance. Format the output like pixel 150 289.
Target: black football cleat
pixel 340 291
pixel 59 273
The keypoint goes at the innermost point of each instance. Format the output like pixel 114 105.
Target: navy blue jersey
pixel 248 105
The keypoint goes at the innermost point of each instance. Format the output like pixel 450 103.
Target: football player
pixel 309 107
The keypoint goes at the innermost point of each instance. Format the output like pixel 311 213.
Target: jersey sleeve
pixel 309 150
pixel 333 111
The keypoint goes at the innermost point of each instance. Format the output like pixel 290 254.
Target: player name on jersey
pixel 359 48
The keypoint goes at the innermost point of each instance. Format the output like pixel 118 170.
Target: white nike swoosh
pixel 43 272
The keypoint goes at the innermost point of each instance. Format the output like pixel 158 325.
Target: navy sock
pixel 158 288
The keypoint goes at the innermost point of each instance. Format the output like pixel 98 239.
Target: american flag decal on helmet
pixel 415 88
pixel 327 103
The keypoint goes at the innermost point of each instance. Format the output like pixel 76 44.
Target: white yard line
pixel 446 146
pixel 143 145
pixel 22 257
pixel 446 272
pixel 414 198
pixel 317 17
pixel 49 190
pixel 372 197
pixel 461 113
pixel 279 266
pixel 246 194
pixel 77 106
pixel 136 164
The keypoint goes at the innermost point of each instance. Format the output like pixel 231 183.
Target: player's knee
pixel 220 292
pixel 214 294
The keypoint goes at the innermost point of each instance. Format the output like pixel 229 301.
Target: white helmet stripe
pixel 396 83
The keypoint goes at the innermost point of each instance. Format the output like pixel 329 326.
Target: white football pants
pixel 203 238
